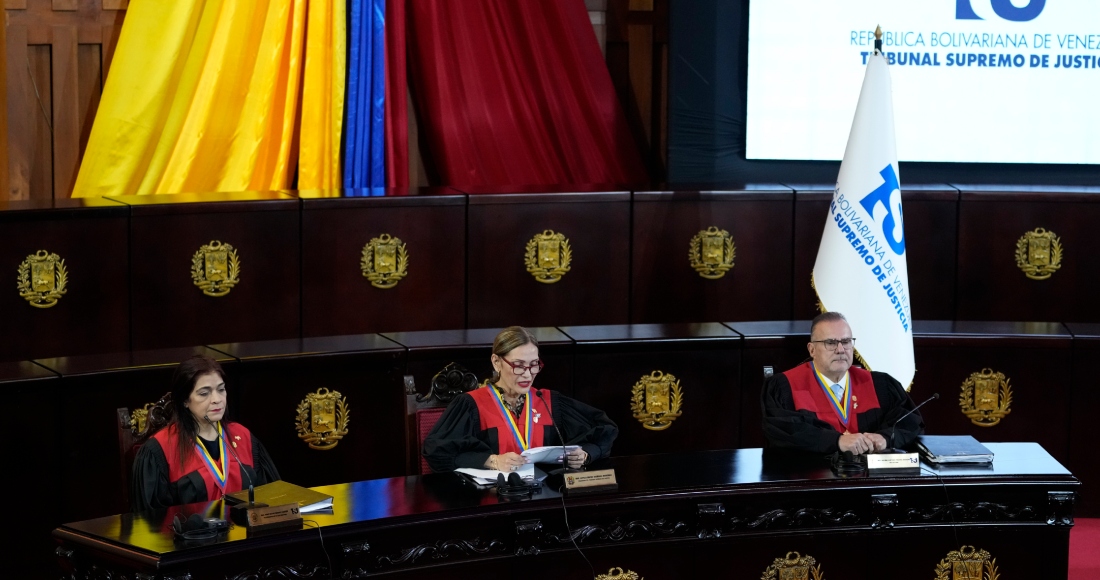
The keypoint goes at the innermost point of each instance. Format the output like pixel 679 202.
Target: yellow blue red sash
pixel 842 405
pixel 521 438
pixel 218 471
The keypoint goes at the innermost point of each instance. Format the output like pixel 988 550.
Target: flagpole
pixel 878 40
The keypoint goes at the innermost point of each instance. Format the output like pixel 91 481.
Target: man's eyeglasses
pixel 831 343
pixel 535 367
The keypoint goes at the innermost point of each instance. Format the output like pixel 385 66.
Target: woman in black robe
pixel 198 456
pixel 490 427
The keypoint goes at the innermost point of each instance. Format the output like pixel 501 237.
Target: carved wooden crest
pixel 1038 254
pixel 793 566
pixel 215 268
pixel 548 256
pixel 967 563
pixel 711 253
pixel 41 279
pixel 323 419
pixel 385 261
pixel 656 400
pixel 986 397
pixel 618 574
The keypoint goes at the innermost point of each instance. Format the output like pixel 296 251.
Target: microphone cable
pixel 331 572
pixel 948 506
pixel 561 490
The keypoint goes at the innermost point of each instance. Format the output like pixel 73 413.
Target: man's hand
pixel 860 443
pixel 878 440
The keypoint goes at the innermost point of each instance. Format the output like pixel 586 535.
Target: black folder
pixel 953 449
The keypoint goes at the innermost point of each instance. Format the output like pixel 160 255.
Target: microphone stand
pixel 244 470
pixel 894 428
pixel 564 461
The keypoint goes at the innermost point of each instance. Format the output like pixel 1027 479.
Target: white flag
pixel 861 266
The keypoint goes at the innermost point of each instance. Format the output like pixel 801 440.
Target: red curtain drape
pixel 397 121
pixel 512 92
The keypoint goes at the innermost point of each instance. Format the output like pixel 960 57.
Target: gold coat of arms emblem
pixel 656 400
pixel 548 256
pixel 41 279
pixel 385 261
pixel 967 563
pixel 794 566
pixel 711 253
pixel 618 574
pixel 986 397
pixel 323 419
pixel 1038 254
pixel 215 268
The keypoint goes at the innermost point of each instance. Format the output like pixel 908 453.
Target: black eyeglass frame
pixel 837 342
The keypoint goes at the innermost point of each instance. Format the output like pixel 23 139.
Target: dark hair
pixel 510 338
pixel 825 317
pixel 183 382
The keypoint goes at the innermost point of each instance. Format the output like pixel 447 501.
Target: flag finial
pixel 878 39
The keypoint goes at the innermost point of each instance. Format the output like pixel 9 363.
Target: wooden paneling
pixel 274 378
pixel 637 59
pixel 779 344
pixel 166 233
pixel 664 286
pixel 1084 404
pixel 430 351
pixel 58 52
pixel 502 292
pixel 90 390
pixel 990 284
pixel 4 113
pixel 1033 357
pixel 32 391
pixel 610 360
pixel 338 299
pixel 93 316
pixel 931 246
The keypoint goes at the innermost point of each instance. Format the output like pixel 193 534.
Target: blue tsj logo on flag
pixel 1003 8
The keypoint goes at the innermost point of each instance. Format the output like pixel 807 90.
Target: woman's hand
pixel 506 461
pixel 575 458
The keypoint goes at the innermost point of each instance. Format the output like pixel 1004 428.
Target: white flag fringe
pixel 861 264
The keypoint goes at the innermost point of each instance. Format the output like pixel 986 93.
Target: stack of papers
pixel 953 449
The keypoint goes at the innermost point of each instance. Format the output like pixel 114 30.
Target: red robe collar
pixel 235 433
pixel 490 415
pixel 809 396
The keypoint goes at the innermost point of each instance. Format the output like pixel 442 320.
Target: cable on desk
pixel 565 515
pixel 947 497
pixel 323 549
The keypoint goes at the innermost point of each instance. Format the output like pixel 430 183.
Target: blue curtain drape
pixel 364 141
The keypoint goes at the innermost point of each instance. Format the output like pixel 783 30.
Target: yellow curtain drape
pixel 220 95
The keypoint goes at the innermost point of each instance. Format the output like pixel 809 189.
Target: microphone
pixel 564 461
pixel 894 428
pixel 251 488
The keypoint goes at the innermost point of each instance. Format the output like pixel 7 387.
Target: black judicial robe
pixel 787 426
pixel 457 439
pixel 156 483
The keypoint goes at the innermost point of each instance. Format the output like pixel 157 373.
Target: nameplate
pixel 586 481
pixel 893 462
pixel 274 517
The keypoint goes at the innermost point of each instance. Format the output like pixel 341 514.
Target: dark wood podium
pixel 739 513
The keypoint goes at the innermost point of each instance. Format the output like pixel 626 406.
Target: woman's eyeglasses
pixel 535 367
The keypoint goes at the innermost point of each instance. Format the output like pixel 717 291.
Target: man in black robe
pixel 826 405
